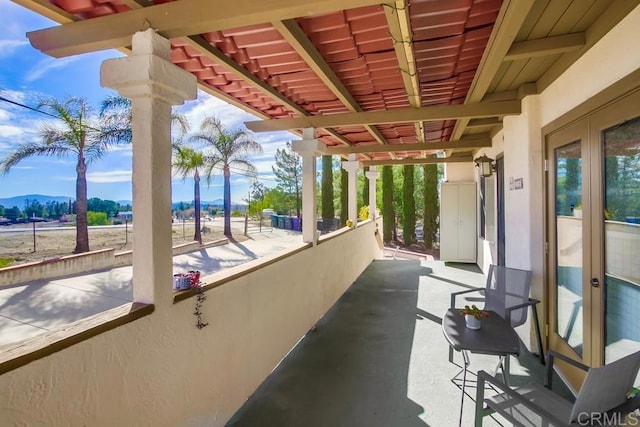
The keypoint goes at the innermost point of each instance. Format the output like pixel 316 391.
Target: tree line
pixel 53 210
pixel 86 137
pixel 406 194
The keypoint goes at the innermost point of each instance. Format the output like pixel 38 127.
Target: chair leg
pixel 479 402
pixel 535 319
pixel 506 369
pixel 467 362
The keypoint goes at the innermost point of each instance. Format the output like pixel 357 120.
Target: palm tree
pixel 226 149
pixel 115 113
pixel 188 162
pixel 79 137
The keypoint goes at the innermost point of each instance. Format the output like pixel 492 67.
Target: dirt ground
pixel 18 246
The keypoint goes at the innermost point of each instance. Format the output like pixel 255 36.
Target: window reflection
pixel 621 217
pixel 568 184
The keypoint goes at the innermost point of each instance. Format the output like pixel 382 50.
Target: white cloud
pixel 46 65
pixel 109 176
pixel 207 105
pixel 8 131
pixel 7 47
pixel 13 95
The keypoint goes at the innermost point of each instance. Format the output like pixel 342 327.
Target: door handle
pixel 595 282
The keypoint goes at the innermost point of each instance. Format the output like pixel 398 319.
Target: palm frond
pixel 55 136
pixel 95 148
pixel 244 165
pixel 213 163
pixel 187 161
pixel 33 149
pixel 183 124
pixel 114 104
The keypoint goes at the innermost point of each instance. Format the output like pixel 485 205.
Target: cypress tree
pixel 344 197
pixel 431 204
pixel 408 206
pixel 387 203
pixel 365 187
pixel 328 211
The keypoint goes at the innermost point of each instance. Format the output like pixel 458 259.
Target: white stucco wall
pixel 488 249
pixel 455 172
pixel 162 371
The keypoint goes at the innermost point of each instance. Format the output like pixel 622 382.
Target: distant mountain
pixel 19 201
pixel 216 203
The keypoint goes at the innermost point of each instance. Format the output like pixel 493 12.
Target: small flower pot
pixel 181 282
pixel 472 322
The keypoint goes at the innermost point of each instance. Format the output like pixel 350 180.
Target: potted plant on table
pixel 473 316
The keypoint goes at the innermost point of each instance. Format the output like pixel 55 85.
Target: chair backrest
pixel 508 287
pixel 606 387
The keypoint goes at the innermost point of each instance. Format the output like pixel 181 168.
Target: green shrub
pixel 5 262
pixel 364 213
pixel 97 218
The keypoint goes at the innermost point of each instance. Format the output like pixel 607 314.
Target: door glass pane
pixel 621 218
pixel 568 184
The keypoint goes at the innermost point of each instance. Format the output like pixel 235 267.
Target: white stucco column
pixel 372 175
pixel 308 148
pixel 153 84
pixel 352 166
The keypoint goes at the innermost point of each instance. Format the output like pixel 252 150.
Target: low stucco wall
pixel 162 371
pixel 57 267
pixel 82 263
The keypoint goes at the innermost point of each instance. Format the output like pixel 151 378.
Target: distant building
pixel 128 215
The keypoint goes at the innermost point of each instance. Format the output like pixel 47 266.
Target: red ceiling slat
pixel 449 39
pixel 436 7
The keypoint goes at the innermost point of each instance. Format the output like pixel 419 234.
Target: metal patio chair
pixel 507 293
pixel 602 399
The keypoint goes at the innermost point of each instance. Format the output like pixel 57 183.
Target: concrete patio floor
pixel 379 358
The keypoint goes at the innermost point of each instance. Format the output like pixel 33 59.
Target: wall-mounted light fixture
pixel 486 165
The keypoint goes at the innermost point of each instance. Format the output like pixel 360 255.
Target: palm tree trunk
pixel 196 196
pixel 82 230
pixel 227 201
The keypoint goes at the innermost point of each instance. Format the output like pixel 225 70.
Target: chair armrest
pixel 455 294
pixel 529 303
pixel 484 376
pixel 551 355
pixel 508 310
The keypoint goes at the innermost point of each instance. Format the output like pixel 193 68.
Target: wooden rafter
pixel 510 19
pixel 401 33
pixel 484 141
pixel 176 19
pixel 480 123
pixel 421 161
pixel 545 46
pixel 401 115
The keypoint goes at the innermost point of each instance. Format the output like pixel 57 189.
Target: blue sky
pixel 26 76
